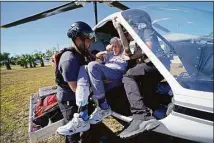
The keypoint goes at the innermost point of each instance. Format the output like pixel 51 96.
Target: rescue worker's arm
pixel 100 55
pixel 123 39
pixel 70 70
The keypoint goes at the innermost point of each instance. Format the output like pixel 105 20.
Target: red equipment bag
pixel 47 108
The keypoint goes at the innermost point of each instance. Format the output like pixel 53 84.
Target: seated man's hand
pixel 125 57
pixel 127 52
pixel 116 24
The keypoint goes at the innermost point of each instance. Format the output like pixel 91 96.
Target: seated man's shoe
pixel 139 126
pixel 98 115
pixel 76 125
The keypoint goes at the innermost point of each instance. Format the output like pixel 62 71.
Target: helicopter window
pixel 97 46
pixel 189 56
pixel 104 37
pixel 104 33
pixel 191 64
pixel 107 28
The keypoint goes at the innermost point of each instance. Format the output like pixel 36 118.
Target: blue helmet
pixel 80 29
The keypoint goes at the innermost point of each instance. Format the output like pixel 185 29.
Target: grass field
pixel 16 87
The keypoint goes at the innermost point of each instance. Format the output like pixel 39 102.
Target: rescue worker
pixel 67 64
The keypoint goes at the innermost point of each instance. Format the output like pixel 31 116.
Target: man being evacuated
pixel 141 80
pixel 111 67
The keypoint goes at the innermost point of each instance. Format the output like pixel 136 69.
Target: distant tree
pixel 40 57
pixel 5 60
pixel 30 60
pixel 50 52
pixel 23 61
pixel 34 60
pixel 13 60
pixel 54 49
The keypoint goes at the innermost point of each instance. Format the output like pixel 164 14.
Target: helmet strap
pixel 82 46
pixel 75 47
pixel 80 49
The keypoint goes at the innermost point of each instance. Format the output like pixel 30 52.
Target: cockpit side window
pixel 104 33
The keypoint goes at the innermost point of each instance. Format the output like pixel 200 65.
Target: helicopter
pixel 188 82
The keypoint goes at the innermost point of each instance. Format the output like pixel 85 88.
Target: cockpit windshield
pixel 185 35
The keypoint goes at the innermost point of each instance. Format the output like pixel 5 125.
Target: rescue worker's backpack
pixel 83 61
pixel 58 76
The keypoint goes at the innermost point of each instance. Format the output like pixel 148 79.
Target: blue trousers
pixel 93 76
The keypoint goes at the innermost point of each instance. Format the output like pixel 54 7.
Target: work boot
pixel 139 126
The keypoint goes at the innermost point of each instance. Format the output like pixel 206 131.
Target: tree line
pixel 26 60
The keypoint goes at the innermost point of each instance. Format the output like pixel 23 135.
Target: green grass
pixel 16 87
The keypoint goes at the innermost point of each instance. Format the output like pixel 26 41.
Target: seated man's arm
pixel 70 71
pixel 123 39
pixel 150 37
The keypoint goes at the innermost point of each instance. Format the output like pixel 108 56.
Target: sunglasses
pixel 90 35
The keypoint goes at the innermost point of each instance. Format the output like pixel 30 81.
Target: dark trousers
pixel 140 84
pixel 68 108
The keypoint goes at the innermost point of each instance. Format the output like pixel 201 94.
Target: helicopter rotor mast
pixel 95 12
